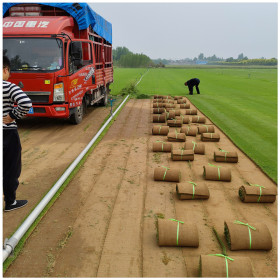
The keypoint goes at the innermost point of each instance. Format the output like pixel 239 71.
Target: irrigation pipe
pixel 11 243
pixel 142 77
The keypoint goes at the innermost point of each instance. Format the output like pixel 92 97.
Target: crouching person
pixel 191 83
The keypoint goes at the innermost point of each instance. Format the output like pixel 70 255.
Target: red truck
pixel 61 56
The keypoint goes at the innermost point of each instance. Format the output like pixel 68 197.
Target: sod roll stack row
pixel 185 134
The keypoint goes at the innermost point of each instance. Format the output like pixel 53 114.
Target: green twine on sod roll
pixel 226 258
pixel 176 133
pixel 249 227
pixel 219 174
pixel 224 151
pixel 177 229
pixel 206 126
pixel 182 151
pixel 193 184
pixel 161 144
pixel 256 185
pixel 166 168
pixel 194 144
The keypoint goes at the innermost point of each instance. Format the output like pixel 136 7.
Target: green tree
pixel 201 56
pixel 134 60
pixel 230 59
pixel 240 56
pixel 119 51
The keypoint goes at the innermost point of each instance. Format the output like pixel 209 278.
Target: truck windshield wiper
pixel 33 67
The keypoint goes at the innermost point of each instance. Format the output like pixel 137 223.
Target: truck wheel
pixel 77 116
pixel 105 98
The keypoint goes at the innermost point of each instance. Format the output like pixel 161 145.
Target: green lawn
pixel 123 77
pixel 242 102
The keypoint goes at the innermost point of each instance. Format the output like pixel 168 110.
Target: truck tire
pixel 77 116
pixel 104 101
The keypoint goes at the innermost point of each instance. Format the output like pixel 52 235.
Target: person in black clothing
pixel 191 83
pixel 11 143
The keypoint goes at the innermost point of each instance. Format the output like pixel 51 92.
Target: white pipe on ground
pixel 142 77
pixel 10 244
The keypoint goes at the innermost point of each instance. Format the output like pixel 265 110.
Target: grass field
pixel 242 102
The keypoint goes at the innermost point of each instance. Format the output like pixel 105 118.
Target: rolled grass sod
pixel 257 194
pixel 216 265
pixel 225 156
pixel 190 190
pixel 172 232
pixel 166 174
pixel 247 236
pixel 216 173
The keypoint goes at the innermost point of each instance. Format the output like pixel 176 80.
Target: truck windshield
pixel 34 54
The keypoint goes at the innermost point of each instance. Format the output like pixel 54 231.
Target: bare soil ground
pixel 48 147
pixel 103 224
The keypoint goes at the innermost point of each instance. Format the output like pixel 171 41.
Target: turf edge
pixel 263 171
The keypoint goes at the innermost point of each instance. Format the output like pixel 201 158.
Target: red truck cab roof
pixel 37 25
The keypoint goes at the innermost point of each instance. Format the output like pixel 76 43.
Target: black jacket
pixel 193 82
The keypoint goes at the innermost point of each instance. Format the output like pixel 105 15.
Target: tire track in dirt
pixel 48 147
pixel 96 214
pixel 121 254
pixel 62 215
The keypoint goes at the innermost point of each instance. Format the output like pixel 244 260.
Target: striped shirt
pixel 11 94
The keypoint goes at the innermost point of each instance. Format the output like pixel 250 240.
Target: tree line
pixel 123 57
pixel 214 60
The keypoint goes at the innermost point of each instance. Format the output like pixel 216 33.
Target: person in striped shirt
pixel 11 143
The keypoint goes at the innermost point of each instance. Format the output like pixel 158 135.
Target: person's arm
pixel 22 100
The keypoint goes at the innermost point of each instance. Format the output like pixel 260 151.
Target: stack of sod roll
pixel 180 122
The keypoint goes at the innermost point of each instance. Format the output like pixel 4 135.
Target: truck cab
pixel 61 67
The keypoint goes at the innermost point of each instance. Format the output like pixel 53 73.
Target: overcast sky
pixel 180 30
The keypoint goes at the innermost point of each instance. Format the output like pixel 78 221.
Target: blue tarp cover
pixel 82 13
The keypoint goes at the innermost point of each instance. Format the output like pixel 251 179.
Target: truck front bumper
pixel 52 111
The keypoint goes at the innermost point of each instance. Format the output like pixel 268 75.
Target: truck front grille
pixel 39 96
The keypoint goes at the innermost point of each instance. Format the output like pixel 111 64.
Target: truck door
pixel 81 77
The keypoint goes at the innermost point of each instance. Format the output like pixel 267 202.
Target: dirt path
pixel 103 224
pixel 48 147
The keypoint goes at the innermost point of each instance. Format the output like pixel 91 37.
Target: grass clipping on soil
pixel 227 235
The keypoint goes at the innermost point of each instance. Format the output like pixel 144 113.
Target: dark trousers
pixel 11 164
pixel 191 89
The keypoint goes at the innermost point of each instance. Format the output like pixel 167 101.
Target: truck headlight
pixel 58 93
